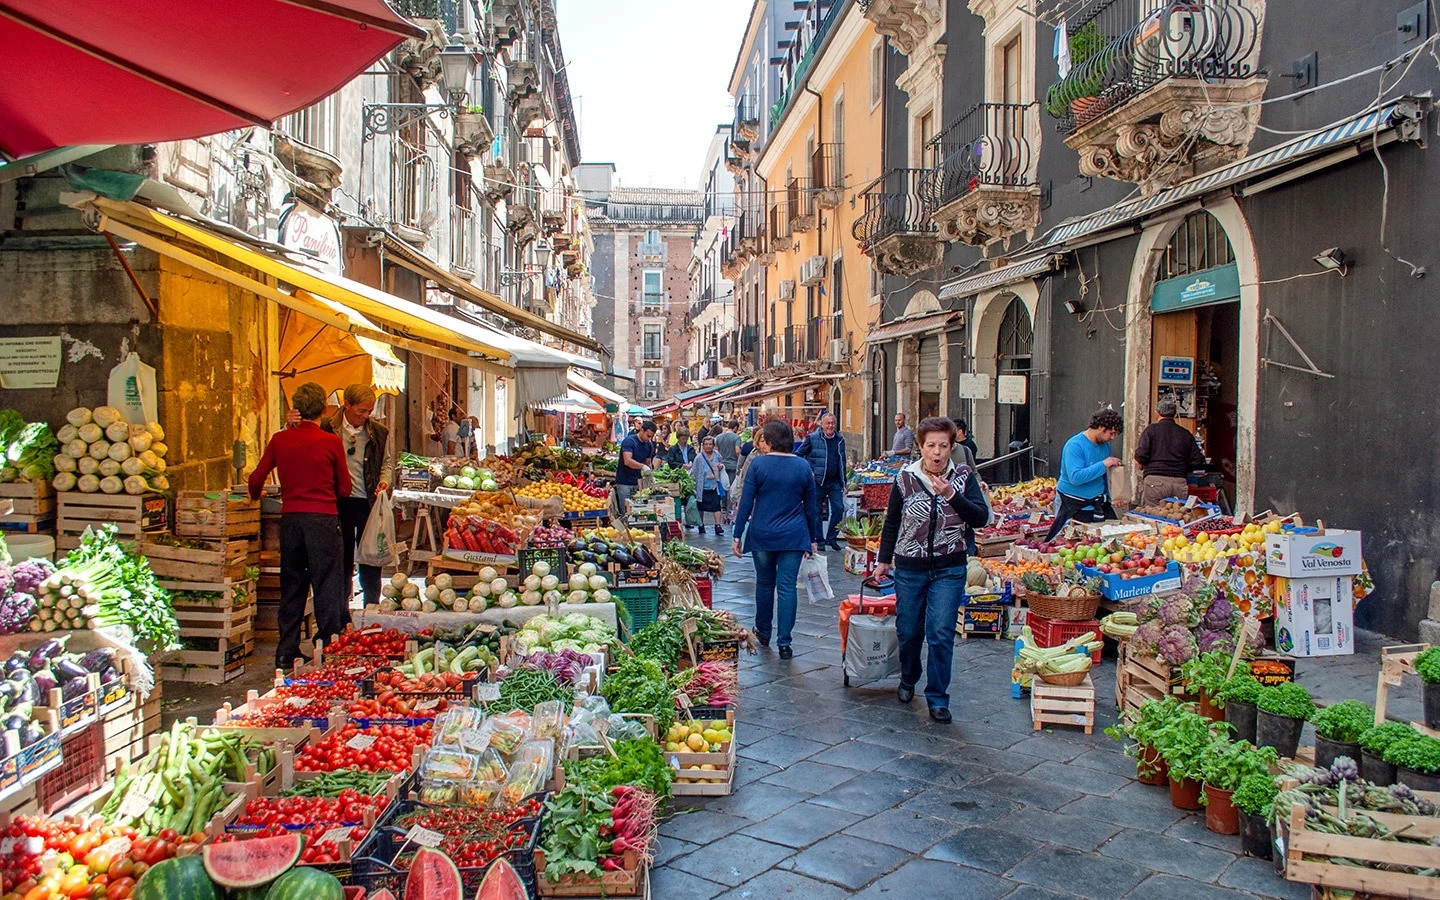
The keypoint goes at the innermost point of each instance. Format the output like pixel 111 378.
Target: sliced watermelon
pixel 382 894
pixel 432 877
pixel 501 882
pixel 253 862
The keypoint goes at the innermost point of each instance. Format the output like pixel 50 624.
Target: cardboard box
pixel 1315 616
pixel 1326 555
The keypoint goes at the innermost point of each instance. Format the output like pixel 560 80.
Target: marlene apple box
pixel 1325 555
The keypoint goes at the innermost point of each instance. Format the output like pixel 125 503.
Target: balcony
pixel 827 177
pixel 554 211
pixel 524 80
pixel 981 188
pixel 473 134
pixel 506 23
pixel 781 238
pixel 651 252
pixel 1161 90
pixel 815 19
pixel 747 117
pixel 800 204
pixel 520 214
pixel 896 230
pixel 749 339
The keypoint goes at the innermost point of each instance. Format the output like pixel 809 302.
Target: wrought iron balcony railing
pixel 747 117
pixel 800 205
pixel 895 204
pixel 794 341
pixel 988 146
pixel 1123 48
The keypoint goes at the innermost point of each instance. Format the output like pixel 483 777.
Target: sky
pixel 651 82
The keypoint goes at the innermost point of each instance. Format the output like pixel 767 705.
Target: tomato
pixel 83 843
pixel 75 881
pixel 121 867
pixel 120 889
pixel 98 861
pixel 40 892
pixel 169 834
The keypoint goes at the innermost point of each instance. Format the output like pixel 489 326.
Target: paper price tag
pixel 487 691
pixel 601 726
pixel 360 741
pixel 7 845
pixel 473 739
pixel 357 670
pixel 688 626
pixel 424 837
pixel 675 763
pixel 1191 501
pixel 1149 552
pixel 427 704
pixel 370 629
pixel 337 834
pixel 135 804
pixel 1036 517
pixel 115 846
pixel 297 701
pixel 684 699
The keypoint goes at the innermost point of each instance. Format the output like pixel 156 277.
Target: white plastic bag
pixel 377 543
pixel 132 391
pixel 815 577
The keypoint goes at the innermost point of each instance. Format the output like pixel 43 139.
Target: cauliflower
pixel 1175 611
pixel 1216 639
pixel 1146 638
pixel 1176 644
pixel 1219 614
pixel 30 573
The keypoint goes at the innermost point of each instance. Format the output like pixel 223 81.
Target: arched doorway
pixel 1014 347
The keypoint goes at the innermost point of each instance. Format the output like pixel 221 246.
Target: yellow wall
pixel 844 72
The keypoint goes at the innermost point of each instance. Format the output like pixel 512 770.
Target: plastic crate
pixel 642 602
pixel 555 556
pixel 82 772
pixel 1054 632
pixel 706 589
pixel 373 864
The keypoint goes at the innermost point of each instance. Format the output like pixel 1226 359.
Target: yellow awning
pixel 310 350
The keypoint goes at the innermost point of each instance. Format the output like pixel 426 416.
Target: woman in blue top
pixel 1083 488
pixel 708 470
pixel 780 531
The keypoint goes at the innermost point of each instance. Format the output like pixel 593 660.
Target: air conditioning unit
pixel 812 270
pixel 522 153
pixel 652 394
pixel 840 350
pixel 787 290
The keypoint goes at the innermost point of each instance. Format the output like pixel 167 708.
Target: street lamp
pixel 457 68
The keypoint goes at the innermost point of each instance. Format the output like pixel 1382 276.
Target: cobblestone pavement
pixel 843 792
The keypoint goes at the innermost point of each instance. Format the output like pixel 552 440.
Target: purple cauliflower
pixel 7 580
pixel 1176 645
pixel 16 611
pixel 1175 611
pixel 1146 638
pixel 1215 639
pixel 1219 614
pixel 30 573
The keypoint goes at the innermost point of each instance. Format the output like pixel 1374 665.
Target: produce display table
pixel 411 623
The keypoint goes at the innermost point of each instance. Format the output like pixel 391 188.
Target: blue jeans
pixel 927 604
pixel 776 570
pixel 834 492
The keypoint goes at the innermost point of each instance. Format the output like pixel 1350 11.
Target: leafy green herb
pixel 638 762
pixel 1418 752
pixel 1223 764
pixel 1206 671
pixel 1183 740
pixel 639 686
pixel 1378 737
pixel 1255 793
pixel 1142 725
pixel 1427 666
pixel 1344 721
pixel 571 839
pixel 1287 699
pixel 661 640
pixel 1240 688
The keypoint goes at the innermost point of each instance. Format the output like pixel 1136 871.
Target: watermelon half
pixel 381 894
pixel 501 882
pixel 432 877
pixel 253 862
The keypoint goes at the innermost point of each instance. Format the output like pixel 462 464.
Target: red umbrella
pixel 139 71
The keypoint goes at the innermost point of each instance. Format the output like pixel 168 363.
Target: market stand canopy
pixel 310 350
pixel 143 71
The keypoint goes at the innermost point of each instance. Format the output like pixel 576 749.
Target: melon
pixel 183 876
pixel 501 882
pixel 381 894
pixel 253 862
pixel 306 883
pixel 432 877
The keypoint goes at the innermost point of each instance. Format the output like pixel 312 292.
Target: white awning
pixel 985 281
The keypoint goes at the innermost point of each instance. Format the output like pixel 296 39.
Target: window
pixel 837 174
pixel 925 130
pixel 315 125
pixel 653 295
pixel 837 287
pixel 651 237
pixel 1010 71
pixel 877 73
pixel 652 343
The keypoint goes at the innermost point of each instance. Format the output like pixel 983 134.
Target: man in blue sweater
pixel 1083 487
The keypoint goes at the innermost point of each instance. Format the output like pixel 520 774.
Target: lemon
pixel 710 735
pixel 696 743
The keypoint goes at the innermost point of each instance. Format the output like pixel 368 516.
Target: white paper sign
pixel 357 670
pixel 427 704
pixel 360 741
pixel 424 837
pixel 336 834
pixel 974 386
pixel 473 739
pixel 487 691
pixel 297 701
pixel 1010 389
pixel 135 804
pixel 30 362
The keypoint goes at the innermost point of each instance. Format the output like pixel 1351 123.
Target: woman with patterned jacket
pixel 934 505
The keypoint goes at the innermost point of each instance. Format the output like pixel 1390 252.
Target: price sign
pixel 7 846
pixel 1149 552
pixel 601 726
pixel 675 763
pixel 684 699
pixel 297 701
pixel 424 837
pixel 135 804
pixel 357 670
pixel 115 846
pixel 1191 501
pixel 337 834
pixel 370 629
pixel 360 741
pixel 487 691
pixel 473 739
pixel 1036 517
pixel 427 704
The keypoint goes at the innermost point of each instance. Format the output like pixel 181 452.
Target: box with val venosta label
pixel 1327 554
pixel 1315 616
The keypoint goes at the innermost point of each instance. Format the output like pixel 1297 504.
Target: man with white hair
pixel 371 465
pixel 825 451
pixel 1167 453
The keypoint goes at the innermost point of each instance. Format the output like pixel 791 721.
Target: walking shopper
pixel 1083 489
pixel 825 451
pixel 636 453
pixel 313 478
pixel 369 462
pixel 711 482
pixel 1166 452
pixel 779 532
pixel 963 439
pixel 682 453
pixel 903 444
pixel 728 443
pixel 934 506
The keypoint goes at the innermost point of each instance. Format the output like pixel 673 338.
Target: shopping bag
pixel 1122 490
pixel 132 391
pixel 872 649
pixel 377 542
pixel 815 577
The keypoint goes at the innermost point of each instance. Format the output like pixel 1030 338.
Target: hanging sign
pixel 312 233
pixel 1218 285
pixel 29 362
pixel 974 386
pixel 1177 370
pixel 1010 389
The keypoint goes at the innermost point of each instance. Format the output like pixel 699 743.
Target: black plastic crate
pixel 373 865
pixel 555 556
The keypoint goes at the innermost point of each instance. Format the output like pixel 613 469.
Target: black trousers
pixel 354 513
pixel 1096 510
pixel 311 557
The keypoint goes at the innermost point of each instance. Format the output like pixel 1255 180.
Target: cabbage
pixel 579 619
pixel 76 448
pixel 135 484
pixel 64 462
pixel 99 449
pixel 111 484
pixel 79 416
pixel 449 481
pixel 564 644
pixel 109 467
pixel 551 632
pixel 117 431
pixel 64 481
pixel 87 465
pixel 105 416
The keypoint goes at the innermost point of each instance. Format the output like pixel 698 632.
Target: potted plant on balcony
pixel 1427 666
pixel 1253 798
pixel 1222 766
pixel 1374 741
pixel 1237 696
pixel 1080 89
pixel 1338 728
pixel 1416 758
pixel 1283 709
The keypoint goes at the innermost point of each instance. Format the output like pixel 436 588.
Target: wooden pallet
pixel 131 514
pixel 27 507
pixel 1053 704
pixel 218 516
pixel 218 562
pixel 1375 882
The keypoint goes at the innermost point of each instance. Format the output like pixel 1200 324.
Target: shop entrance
pixel 930 376
pixel 1195 343
pixel 1013 351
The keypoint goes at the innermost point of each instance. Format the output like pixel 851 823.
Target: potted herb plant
pixel 1238 696
pixel 1427 666
pixel 1374 741
pixel 1083 88
pixel 1222 766
pixel 1253 798
pixel 1182 741
pixel 1416 758
pixel 1141 726
pixel 1338 728
pixel 1282 711
pixel 1204 674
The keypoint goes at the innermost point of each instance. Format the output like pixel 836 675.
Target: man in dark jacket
pixel 1167 453
pixel 368 457
pixel 825 451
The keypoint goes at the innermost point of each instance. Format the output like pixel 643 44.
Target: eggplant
pixel 9 690
pixel 18 717
pixel 73 688
pixel 19 661
pixel 46 652
pixel 109 675
pixel 65 669
pixel 45 681
pixel 641 556
pixel 96 661
pixel 621 556
pixel 31 733
pixel 29 691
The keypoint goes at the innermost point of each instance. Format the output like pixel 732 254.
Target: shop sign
pixel 1177 370
pixel 1218 285
pixel 312 233
pixel 29 362
pixel 974 386
pixel 1010 389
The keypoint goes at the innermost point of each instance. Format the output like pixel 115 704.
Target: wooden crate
pixel 216 515
pixel 27 507
pixel 631 880
pixel 1417 853
pixel 724 763
pixel 125 729
pixel 225 662
pixel 217 623
pixel 1053 704
pixel 1396 662
pixel 131 514
pixel 219 561
pixel 1152 673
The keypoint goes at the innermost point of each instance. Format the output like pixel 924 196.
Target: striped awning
pixel 1406 109
pixel 985 281
pixel 900 328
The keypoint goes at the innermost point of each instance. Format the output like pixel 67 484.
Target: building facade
pixel 711 324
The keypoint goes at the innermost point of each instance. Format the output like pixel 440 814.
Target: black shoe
pixel 719 531
pixel 940 714
pixel 835 545
pixel 764 642
pixel 786 653
pixel 905 694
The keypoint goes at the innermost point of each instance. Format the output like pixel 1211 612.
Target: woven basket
pixel 1079 608
pixel 1063 679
